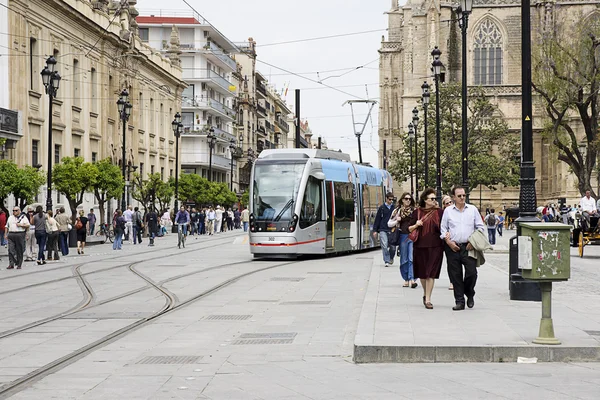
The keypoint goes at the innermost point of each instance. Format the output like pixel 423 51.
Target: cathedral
pixel 494 63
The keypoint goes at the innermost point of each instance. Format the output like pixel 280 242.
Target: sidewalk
pixel 394 325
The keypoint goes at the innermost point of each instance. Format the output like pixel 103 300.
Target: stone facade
pixel 99 53
pixel 493 41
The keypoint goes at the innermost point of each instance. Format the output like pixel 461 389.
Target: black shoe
pixel 459 307
pixel 470 302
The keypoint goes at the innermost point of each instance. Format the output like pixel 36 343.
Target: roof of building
pixel 151 19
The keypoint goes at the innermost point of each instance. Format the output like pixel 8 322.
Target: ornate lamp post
pixel 411 137
pixel 231 150
pixel 437 70
pixel 463 12
pixel 124 107
pixel 426 94
pixel 177 128
pixel 212 139
pixel 51 80
pixel 415 122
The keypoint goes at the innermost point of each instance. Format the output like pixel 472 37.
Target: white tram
pixel 310 201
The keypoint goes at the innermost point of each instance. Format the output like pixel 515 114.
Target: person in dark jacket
pixel 153 225
pixel 380 226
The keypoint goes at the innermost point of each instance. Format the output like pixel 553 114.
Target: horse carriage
pixel 512 213
pixel 585 231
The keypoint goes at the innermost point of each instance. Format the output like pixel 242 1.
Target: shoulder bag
pixel 414 235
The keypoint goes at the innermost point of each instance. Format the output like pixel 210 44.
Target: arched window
pixel 488 54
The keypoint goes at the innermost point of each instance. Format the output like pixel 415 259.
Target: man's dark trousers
pixel 462 285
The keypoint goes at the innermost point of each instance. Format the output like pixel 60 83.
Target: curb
pixel 364 354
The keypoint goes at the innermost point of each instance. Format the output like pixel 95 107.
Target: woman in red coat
pixel 428 249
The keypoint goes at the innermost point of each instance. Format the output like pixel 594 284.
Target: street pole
pixel 51 81
pixel 437 67
pixel 210 139
pixel 426 94
pixel 464 11
pixel 177 128
pixel 415 121
pixel 123 155
pixel 124 108
pixel 231 149
pixel 411 136
pixel 297 93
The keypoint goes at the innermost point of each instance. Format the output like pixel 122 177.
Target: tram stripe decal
pixel 285 244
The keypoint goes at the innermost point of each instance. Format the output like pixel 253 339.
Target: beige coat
pixel 480 243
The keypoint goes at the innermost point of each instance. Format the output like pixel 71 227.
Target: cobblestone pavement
pixel 283 333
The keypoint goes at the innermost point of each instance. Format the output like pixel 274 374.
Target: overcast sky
pixel 273 21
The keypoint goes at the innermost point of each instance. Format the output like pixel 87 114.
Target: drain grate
pixel 324 273
pixel 593 333
pixel 269 335
pixel 314 302
pixel 170 360
pixel 285 279
pixel 228 317
pixel 264 341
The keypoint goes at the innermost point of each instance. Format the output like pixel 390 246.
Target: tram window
pixel 344 201
pixel 311 205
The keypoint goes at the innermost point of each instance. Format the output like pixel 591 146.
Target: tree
pixel 27 185
pixel 73 177
pixel 493 150
pixel 566 75
pixel 245 198
pixel 108 185
pixel 152 190
pixel 199 190
pixel 8 176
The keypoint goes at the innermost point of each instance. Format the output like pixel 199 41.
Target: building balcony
pixel 269 126
pixel 261 130
pixel 261 89
pixel 215 81
pixel 261 110
pixel 219 162
pixel 218 56
pixel 284 126
pixel 303 143
pixel 203 130
pixel 216 107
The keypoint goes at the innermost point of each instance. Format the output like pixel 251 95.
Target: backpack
pixel 491 220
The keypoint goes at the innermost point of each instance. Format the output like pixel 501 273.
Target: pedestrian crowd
pixel 38 235
pixel 422 232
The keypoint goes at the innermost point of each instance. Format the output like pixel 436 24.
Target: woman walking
pixel 447 202
pixel 401 218
pixel 52 231
pixel 119 230
pixel 81 227
pixel 39 220
pixel 428 247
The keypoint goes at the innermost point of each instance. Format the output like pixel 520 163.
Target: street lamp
pixel 426 94
pixel 411 137
pixel 129 169
pixel 415 122
pixel 177 128
pixel 51 80
pixel 124 107
pixel 437 70
pixel 231 150
pixel 463 12
pixel 212 139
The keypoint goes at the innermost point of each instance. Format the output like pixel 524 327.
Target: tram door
pixel 329 240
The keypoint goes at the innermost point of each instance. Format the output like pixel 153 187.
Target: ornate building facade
pixel 99 53
pixel 494 63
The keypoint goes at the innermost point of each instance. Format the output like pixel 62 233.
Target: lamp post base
pixel 546 334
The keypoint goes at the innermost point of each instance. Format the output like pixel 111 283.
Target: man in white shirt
pixel 458 224
pixel 128 214
pixel 218 219
pixel 16 227
pixel 588 206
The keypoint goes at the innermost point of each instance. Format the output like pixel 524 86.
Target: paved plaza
pixel 277 330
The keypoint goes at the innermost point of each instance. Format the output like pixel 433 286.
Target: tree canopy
pixel 108 184
pixel 23 183
pixel 201 191
pixel 566 75
pixel 73 177
pixel 493 149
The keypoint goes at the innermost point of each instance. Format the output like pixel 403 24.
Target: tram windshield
pixel 275 190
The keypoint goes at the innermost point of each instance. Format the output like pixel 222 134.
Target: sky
pixel 354 56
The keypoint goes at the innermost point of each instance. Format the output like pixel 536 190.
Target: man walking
pixel 91 221
pixel 491 221
pixel 245 218
pixel 128 215
pixel 380 227
pixel 30 241
pixel 16 227
pixel 152 223
pixel 63 221
pixel 138 225
pixel 458 224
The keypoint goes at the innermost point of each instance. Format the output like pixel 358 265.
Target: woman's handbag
pixel 78 224
pixel 394 237
pixel 414 235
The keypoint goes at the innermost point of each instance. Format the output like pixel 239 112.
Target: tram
pixel 313 201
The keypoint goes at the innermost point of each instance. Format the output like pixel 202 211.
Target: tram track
pixel 56 280
pixel 169 307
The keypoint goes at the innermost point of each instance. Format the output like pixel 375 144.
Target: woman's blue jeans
pixel 406 257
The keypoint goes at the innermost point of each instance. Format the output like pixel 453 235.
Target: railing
pixel 268 106
pixel 282 124
pixel 261 129
pixel 219 80
pixel 261 109
pixel 218 52
pixel 303 142
pixel 269 126
pixel 262 89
